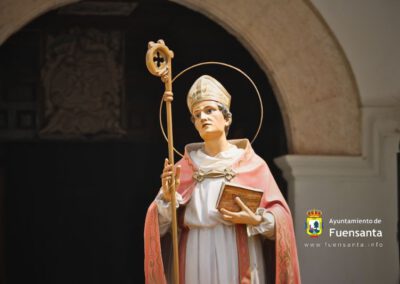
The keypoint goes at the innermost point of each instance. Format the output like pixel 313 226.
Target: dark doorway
pixel 398 200
pixel 75 211
pixel 75 207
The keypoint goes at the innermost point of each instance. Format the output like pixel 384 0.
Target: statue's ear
pixel 229 121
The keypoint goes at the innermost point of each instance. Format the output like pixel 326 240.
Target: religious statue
pixel 219 246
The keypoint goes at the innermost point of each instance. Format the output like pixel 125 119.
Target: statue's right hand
pixel 166 178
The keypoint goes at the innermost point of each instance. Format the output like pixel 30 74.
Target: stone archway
pixel 305 64
pixel 15 14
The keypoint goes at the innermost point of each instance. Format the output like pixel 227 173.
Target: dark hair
pixel 225 112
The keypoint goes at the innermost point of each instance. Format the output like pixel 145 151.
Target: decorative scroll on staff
pixel 158 62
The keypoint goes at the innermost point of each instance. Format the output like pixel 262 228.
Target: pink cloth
pixel 251 171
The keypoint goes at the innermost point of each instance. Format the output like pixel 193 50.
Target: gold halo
pixel 222 64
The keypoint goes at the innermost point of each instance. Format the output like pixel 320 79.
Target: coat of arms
pixel 314 223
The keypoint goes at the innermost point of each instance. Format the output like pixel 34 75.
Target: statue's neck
pixel 213 147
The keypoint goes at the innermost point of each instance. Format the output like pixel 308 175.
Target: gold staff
pixel 158 62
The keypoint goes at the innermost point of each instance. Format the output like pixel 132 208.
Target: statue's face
pixel 209 120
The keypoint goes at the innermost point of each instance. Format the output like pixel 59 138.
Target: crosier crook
pixel 158 62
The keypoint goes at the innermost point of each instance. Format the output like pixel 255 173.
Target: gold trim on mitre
pixel 207 88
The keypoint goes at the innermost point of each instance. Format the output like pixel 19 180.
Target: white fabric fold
pixel 164 211
pixel 267 226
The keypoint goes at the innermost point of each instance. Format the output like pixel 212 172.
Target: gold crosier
pixel 158 62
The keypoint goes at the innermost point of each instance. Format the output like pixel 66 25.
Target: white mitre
pixel 207 88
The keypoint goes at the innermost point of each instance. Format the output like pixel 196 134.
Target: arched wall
pixel 311 77
pixel 15 14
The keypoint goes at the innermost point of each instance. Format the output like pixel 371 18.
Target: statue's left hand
pixel 245 216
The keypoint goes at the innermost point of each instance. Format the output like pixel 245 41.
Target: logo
pixel 314 223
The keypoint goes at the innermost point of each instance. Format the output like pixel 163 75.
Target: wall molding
pixel 379 125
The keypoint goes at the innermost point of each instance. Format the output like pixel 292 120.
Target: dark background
pixel 73 209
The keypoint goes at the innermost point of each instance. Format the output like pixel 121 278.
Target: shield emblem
pixel 314 223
